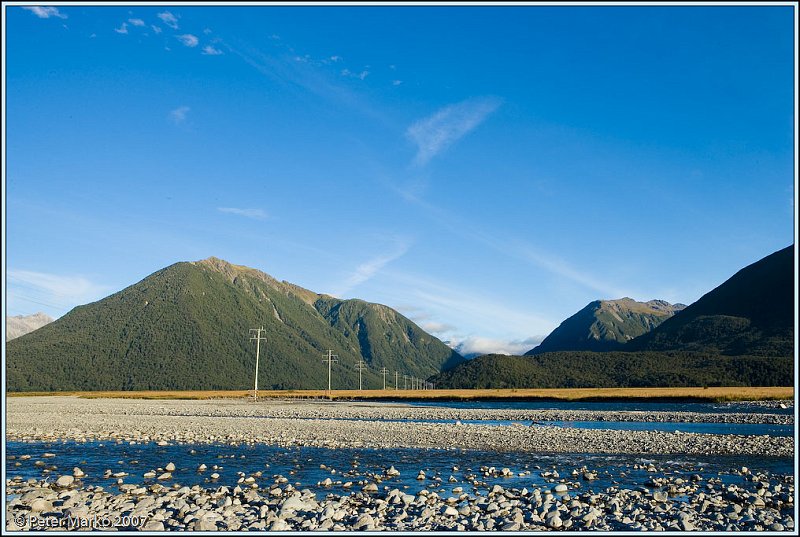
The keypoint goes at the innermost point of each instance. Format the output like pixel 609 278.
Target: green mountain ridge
pixel 187 327
pixel 605 325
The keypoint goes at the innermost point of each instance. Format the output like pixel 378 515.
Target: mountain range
pixel 19 325
pixel 740 333
pixel 187 327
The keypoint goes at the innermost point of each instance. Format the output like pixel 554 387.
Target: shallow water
pixel 302 465
pixel 620 406
pixel 704 428
pixel 669 426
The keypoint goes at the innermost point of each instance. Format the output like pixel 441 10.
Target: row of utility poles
pixel 409 382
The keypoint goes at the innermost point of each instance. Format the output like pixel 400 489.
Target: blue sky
pixel 487 171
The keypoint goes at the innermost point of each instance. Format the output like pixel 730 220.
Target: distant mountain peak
pixel 19 325
pixel 606 325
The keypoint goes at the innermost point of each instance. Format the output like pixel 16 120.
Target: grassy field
pixel 570 394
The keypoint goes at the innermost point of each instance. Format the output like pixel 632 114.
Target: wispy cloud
pixel 136 22
pixel 360 75
pixel 45 12
pixel 367 270
pixel 122 29
pixel 188 39
pixel 156 29
pixel 396 82
pixel 178 115
pixel 169 19
pixel 449 308
pixel 308 76
pixel 560 267
pixel 56 292
pixel 256 214
pixel 435 327
pixel 436 133
pixel 515 248
pixel 209 50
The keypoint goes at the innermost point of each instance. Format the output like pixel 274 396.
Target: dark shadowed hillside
pixel 750 313
pixel 617 369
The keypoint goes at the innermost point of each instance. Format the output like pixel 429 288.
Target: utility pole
pixel 395 380
pixel 384 371
pixel 330 358
pixel 255 334
pixel 361 366
pixel 405 382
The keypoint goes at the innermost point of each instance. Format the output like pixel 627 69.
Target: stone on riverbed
pixel 65 481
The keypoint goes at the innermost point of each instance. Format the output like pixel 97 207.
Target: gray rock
pixel 280 525
pixel 364 522
pixel 450 511
pixel 40 505
pixel 554 522
pixel 65 481
pixel 660 496
pixel 153 525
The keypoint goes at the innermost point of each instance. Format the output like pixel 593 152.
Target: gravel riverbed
pixel 312 424
pixel 664 501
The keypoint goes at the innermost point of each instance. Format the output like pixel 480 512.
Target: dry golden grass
pixel 566 394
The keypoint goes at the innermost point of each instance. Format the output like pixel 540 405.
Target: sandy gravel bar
pixel 358 425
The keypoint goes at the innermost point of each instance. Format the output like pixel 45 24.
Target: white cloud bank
pixel 435 133
pixel 483 345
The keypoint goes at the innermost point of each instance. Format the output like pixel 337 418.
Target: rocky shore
pixel 664 502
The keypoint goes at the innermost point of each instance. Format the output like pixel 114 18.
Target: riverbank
pixel 699 394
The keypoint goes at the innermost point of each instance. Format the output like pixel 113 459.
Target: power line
pixel 384 371
pixel 361 366
pixel 258 338
pixel 330 358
